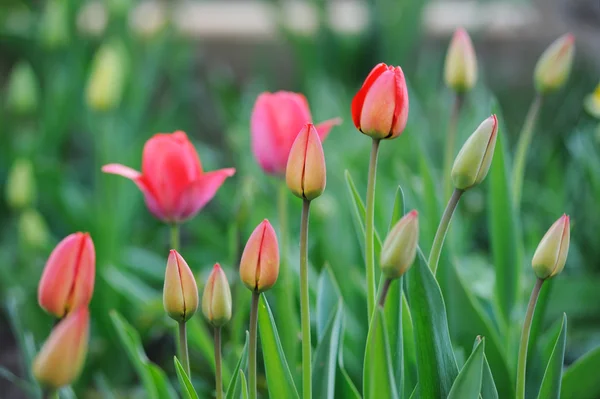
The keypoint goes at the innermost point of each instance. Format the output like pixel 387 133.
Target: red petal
pixel 359 98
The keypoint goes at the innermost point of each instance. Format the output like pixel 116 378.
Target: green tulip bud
pixel 554 66
pixel 400 246
pixel 33 230
pixel 460 69
pixel 551 254
pixel 23 91
pixel 107 79
pixel 20 184
pixel 55 24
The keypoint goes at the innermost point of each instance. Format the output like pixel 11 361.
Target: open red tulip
pixel 174 185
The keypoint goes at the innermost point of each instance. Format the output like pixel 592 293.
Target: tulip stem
pixel 451 142
pixel 369 228
pixel 304 303
pixel 384 291
pixel 252 347
pixel 50 394
pixel 183 348
pixel 522 147
pixel 218 378
pixel 440 235
pixel 175 236
pixel 522 364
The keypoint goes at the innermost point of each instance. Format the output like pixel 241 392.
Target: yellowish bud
pixel 180 292
pixel 259 266
pixel 551 254
pixel 554 66
pixel 475 157
pixel 107 79
pixel 305 173
pixel 592 103
pixel 20 184
pixel 460 69
pixel 400 246
pixel 216 300
pixel 33 230
pixel 23 91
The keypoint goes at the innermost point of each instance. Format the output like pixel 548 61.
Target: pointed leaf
pixel 244 385
pixel 233 389
pixel 328 296
pixel 325 358
pixel 184 381
pixel 344 387
pixel 378 376
pixel 488 386
pixel 399 207
pixel 468 383
pixel 409 351
pixel 550 388
pixel 393 320
pixel 279 377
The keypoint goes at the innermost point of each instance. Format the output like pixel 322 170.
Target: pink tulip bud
pixel 62 357
pixel 460 70
pixel 305 173
pixel 380 108
pixel 259 266
pixel 180 292
pixel 68 278
pixel 172 180
pixel 551 254
pixel 554 66
pixel 276 120
pixel 216 300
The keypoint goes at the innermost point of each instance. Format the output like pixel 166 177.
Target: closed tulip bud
pixel 460 70
pixel 54 32
pixel 216 300
pixel 180 292
pixel 67 282
pixel 554 66
pixel 475 157
pixel 305 173
pixel 551 254
pixel 33 230
pixel 62 356
pixel 107 78
pixel 22 95
pixel 20 185
pixel 380 108
pixel 400 246
pixel 592 103
pixel 259 266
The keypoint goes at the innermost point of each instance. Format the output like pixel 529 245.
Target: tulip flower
pixel 275 122
pixel 592 103
pixel 62 357
pixel 107 78
pixel 475 157
pixel 216 300
pixel 400 246
pixel 551 254
pixel 259 266
pixel 305 172
pixel 22 94
pixel 174 185
pixel 67 282
pixel 554 66
pixel 180 292
pixel 20 184
pixel 460 69
pixel 380 108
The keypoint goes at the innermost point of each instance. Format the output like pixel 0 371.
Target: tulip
pixel 67 282
pixel 55 24
pixel 259 266
pixel 275 122
pixel 551 254
pixel 32 229
pixel 380 108
pixel 592 103
pixel 216 300
pixel 22 95
pixel 554 66
pixel 107 79
pixel 20 184
pixel 305 172
pixel 62 357
pixel 400 246
pixel 180 293
pixel 174 185
pixel 460 70
pixel 475 157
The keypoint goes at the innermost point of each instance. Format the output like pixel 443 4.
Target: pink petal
pixel 324 128
pixel 121 170
pixel 262 128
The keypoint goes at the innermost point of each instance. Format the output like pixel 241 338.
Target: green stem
pixel 440 235
pixel 451 142
pixel 369 228
pixel 252 347
pixel 218 378
pixel 522 148
pixel 175 236
pixel 384 291
pixel 304 303
pixel 183 348
pixel 50 394
pixel 522 364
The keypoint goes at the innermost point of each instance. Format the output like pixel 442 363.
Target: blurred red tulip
pixel 380 108
pixel 68 278
pixel 276 120
pixel 174 186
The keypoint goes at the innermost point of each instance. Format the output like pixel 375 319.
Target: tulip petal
pixel 359 98
pixel 379 105
pixel 325 127
pixel 198 193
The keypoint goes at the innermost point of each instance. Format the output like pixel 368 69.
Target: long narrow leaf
pixel 328 297
pixel 325 358
pixel 399 207
pixel 393 320
pixel 468 383
pixel 233 389
pixel 378 376
pixel 409 351
pixel 359 214
pixel 550 388
pixel 581 379
pixel 488 386
pixel 184 381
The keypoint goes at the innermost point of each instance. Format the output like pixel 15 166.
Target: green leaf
pixel 399 207
pixel 378 376
pixel 436 364
pixel 279 378
pixel 580 380
pixel 153 378
pixel 23 385
pixel 325 357
pixel 233 390
pixel 409 351
pixel 468 383
pixel 244 385
pixel 393 320
pixel 488 386
pixel 184 381
pixel 328 297
pixel 344 387
pixel 550 388
pixel 200 338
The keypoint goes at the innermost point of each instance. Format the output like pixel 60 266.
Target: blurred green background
pixel 84 84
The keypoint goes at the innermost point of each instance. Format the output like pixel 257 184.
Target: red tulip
pixel 68 278
pixel 276 120
pixel 380 108
pixel 174 186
